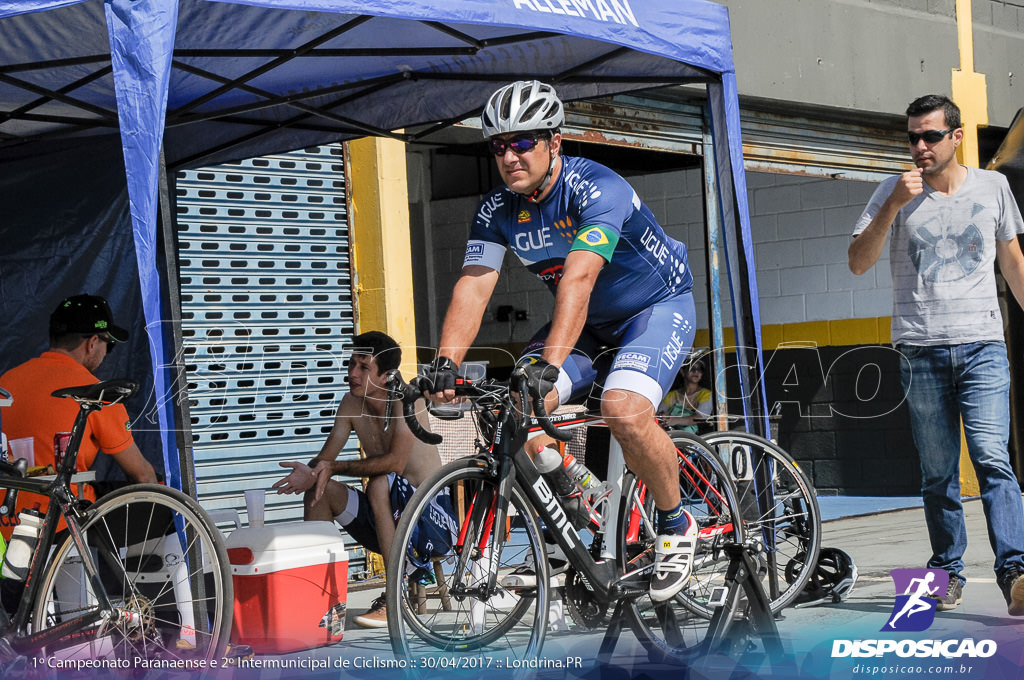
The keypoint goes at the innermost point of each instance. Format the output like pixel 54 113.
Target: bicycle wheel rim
pixel 164 566
pixel 788 521
pixel 678 628
pixel 511 623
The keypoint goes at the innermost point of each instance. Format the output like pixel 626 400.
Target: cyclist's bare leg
pixel 646 447
pixel 329 506
pixel 379 494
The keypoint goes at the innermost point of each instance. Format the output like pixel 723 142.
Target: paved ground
pixel 878 543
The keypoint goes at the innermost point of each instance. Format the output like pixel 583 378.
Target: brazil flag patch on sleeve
pixel 598 240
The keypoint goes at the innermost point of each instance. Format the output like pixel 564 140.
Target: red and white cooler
pixel 291 586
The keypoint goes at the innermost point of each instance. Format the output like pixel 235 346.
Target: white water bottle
pixel 549 463
pixel 22 545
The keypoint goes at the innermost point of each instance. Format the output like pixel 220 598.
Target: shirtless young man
pixel 395 461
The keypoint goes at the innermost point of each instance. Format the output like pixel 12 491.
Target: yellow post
pixel 971 95
pixel 381 251
pixel 969 89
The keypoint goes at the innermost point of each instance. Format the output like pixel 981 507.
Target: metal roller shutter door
pixel 266 303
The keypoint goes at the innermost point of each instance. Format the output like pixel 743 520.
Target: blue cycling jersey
pixel 590 207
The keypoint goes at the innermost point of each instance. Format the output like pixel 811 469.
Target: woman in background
pixel 689 405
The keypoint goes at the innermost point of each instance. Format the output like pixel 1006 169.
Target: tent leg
pixel 176 368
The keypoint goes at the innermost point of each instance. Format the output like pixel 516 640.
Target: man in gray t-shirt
pixel 949 224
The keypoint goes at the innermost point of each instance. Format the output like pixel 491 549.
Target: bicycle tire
pixel 790 526
pixel 512 622
pixel 176 597
pixel 678 629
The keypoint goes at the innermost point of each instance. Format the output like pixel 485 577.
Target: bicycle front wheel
pixel 164 568
pixel 780 508
pixel 679 628
pixel 460 598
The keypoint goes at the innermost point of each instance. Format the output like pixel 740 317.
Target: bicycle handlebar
pixel 409 393
pixel 542 415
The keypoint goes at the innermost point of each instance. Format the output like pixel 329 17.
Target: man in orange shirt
pixel 82 333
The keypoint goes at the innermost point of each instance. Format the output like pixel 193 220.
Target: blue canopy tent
pixel 189 83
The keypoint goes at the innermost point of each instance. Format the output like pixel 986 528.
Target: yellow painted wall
pixel 381 251
pixel 873 331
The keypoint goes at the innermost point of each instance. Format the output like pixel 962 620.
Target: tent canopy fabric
pixel 248 79
pixel 204 82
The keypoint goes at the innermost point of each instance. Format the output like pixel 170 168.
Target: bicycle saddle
pixel 104 392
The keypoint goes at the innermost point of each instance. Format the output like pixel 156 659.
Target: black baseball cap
pixel 87 314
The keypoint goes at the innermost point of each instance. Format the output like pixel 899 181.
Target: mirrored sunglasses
pixel 929 136
pixel 519 145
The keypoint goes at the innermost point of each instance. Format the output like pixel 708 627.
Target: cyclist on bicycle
pixel 618 281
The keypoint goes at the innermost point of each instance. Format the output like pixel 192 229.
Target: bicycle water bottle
pixel 549 463
pixel 579 473
pixel 22 545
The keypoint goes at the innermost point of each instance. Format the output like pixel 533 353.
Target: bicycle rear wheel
pixel 472 611
pixel 679 628
pixel 164 567
pixel 786 517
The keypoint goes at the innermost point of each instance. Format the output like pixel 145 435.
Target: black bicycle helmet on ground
pixel 832 580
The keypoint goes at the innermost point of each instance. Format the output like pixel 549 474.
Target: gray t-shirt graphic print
pixel 941 256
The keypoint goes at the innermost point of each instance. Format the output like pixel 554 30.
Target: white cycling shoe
pixel 673 563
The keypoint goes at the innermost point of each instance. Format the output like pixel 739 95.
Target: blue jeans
pixel 943 384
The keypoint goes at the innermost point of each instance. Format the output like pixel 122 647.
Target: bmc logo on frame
pixel 913 611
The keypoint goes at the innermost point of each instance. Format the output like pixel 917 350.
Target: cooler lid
pixel 284 546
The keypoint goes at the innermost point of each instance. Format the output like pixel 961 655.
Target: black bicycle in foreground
pixel 487 613
pixel 138 580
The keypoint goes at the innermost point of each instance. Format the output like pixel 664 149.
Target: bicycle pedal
pixel 718 596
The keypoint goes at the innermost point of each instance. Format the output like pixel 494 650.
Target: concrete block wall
pixel 873 55
pixel 801 231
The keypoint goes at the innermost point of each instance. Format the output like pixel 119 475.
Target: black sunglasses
pixel 929 136
pixel 519 145
pixel 110 342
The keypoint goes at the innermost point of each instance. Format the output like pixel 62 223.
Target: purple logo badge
pixel 914 609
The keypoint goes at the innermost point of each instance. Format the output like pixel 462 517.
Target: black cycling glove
pixel 440 375
pixel 540 378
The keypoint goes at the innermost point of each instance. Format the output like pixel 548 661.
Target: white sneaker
pixel 673 563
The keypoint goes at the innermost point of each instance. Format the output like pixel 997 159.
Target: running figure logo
pixel 914 609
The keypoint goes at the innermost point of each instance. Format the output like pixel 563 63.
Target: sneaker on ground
pixel 376 616
pixel 1011 582
pixel 953 597
pixel 673 563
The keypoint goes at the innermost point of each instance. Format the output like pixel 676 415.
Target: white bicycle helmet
pixel 522 106
pixel 833 579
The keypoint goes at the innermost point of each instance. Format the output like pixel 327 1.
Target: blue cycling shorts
pixel 642 354
pixel 433 536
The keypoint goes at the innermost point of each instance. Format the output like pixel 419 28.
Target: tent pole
pixel 714 286
pixel 176 368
